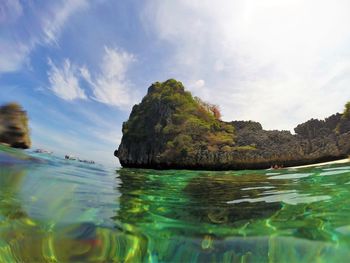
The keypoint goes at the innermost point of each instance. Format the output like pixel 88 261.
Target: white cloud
pixel 10 10
pixel 198 84
pixel 52 25
pixel 113 136
pixel 111 86
pixel 85 73
pixel 45 21
pixel 278 62
pixel 65 82
pixel 12 56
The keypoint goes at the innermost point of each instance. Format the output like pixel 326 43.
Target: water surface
pixel 56 210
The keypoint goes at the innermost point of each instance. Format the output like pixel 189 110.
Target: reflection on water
pixel 214 198
pixel 53 210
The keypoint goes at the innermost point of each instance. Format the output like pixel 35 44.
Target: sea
pixel 57 210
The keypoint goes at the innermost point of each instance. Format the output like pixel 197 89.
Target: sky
pixel 78 66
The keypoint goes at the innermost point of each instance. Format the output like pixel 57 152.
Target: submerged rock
pixel 172 129
pixel 14 129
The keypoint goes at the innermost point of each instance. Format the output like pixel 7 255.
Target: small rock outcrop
pixel 14 129
pixel 172 129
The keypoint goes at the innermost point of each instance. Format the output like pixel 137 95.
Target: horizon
pixel 77 67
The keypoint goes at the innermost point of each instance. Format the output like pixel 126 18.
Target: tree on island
pixel 347 111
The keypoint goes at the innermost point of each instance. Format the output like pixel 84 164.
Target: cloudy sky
pixel 78 66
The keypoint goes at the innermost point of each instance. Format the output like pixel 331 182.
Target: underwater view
pixel 57 210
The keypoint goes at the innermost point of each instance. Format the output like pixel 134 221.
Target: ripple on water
pixel 291 176
pixel 272 174
pixel 344 230
pixel 334 172
pixel 337 168
pixel 291 197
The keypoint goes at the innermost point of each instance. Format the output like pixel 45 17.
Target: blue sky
pixel 78 66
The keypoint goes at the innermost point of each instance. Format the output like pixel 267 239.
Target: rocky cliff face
pixel 14 129
pixel 171 129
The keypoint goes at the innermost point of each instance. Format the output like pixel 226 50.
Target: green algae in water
pixel 54 210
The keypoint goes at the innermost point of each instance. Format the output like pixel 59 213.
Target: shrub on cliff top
pixel 347 111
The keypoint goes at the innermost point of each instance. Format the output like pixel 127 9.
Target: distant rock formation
pixel 14 129
pixel 171 129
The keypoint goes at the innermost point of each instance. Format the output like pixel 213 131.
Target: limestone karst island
pixel 172 129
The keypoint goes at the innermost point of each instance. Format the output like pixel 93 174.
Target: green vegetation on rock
pixel 346 113
pixel 177 125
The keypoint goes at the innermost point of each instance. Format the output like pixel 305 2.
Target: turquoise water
pixel 55 210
